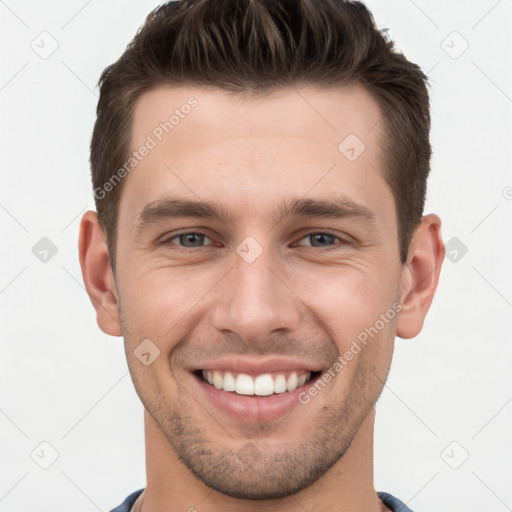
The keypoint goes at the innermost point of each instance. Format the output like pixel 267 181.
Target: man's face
pixel 267 288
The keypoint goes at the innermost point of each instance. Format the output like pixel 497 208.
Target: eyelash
pixel 328 233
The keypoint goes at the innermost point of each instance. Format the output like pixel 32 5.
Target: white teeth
pixel 218 380
pixel 291 383
pixel 262 385
pixel 244 384
pixel 279 384
pixel 229 382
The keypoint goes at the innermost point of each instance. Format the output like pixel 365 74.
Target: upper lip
pixel 258 366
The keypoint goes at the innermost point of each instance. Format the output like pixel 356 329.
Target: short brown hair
pixel 258 46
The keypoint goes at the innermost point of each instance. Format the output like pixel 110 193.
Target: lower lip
pixel 253 408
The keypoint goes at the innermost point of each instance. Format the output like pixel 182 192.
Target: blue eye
pixel 194 239
pixel 322 239
pixel 191 239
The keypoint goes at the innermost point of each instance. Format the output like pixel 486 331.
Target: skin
pixel 301 297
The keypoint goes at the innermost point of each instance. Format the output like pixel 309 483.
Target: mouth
pixel 255 390
pixel 262 385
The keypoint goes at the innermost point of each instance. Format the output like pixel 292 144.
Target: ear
pixel 97 274
pixel 420 275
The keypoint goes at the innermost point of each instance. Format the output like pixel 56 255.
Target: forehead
pixel 310 112
pixel 248 151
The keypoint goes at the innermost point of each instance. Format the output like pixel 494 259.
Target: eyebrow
pixel 341 207
pixel 172 207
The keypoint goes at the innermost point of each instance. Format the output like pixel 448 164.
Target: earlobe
pixel 97 274
pixel 420 276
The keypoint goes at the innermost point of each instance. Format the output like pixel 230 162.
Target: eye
pixel 322 239
pixel 190 239
pixel 194 239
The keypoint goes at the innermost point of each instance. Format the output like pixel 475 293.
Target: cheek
pixel 162 304
pixel 349 301
pixel 355 309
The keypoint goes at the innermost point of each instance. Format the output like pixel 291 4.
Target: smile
pixel 261 385
pixel 250 389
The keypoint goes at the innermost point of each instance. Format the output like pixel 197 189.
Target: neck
pixel 347 486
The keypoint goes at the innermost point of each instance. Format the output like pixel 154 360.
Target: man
pixel 259 169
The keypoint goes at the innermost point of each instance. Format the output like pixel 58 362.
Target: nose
pixel 255 300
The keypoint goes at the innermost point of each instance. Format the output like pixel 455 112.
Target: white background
pixel 64 382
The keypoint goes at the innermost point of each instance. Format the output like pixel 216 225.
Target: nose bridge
pixel 254 301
